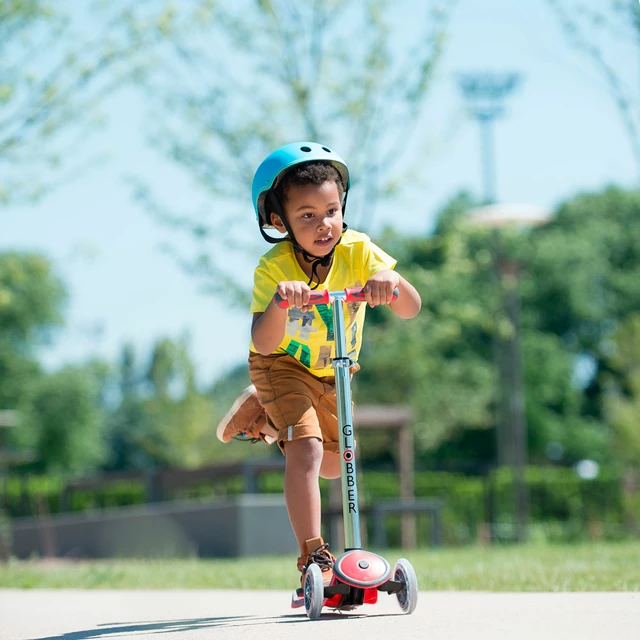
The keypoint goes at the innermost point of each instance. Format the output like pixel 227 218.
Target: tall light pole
pixel 484 93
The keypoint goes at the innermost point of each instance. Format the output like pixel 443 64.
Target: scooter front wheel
pixel 404 573
pixel 313 591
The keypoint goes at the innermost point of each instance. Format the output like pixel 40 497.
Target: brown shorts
pixel 299 404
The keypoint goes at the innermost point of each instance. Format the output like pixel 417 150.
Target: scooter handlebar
pixel 353 294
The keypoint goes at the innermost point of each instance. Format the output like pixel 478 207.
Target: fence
pixel 474 508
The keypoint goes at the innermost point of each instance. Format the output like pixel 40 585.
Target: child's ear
pixel 276 221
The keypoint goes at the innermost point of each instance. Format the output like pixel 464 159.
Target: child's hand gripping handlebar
pixel 350 294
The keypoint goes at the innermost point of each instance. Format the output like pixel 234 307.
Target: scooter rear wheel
pixel 313 591
pixel 404 573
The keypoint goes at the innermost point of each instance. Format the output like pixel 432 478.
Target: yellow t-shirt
pixel 309 336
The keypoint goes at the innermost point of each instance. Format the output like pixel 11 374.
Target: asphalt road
pixel 196 615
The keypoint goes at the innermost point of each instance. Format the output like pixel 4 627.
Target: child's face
pixel 314 214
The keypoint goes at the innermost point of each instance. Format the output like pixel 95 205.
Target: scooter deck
pixel 339 596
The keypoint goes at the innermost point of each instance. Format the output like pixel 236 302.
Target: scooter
pixel 358 575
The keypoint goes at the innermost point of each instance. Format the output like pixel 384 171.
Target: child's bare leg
pixel 301 488
pixel 330 467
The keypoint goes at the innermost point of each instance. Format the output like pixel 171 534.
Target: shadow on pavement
pixel 173 626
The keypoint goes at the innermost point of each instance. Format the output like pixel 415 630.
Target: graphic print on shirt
pixel 305 354
pixel 326 313
pixel 300 327
pixel 324 357
pixel 296 328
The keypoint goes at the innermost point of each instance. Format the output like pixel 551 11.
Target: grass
pixel 587 567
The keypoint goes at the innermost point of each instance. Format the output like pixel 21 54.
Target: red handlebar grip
pixel 354 294
pixel 316 297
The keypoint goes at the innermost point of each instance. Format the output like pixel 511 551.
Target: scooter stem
pixel 342 364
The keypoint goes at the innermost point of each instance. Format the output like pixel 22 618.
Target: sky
pixel 561 134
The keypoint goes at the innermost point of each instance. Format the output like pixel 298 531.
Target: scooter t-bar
pixel 342 363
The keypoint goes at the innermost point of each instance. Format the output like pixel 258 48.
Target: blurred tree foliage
pixel 162 418
pixel 580 327
pixel 593 28
pixel 64 420
pixel 31 299
pixel 56 70
pixel 230 82
pixel 578 287
pixel 622 390
pixel 60 413
pixel 84 417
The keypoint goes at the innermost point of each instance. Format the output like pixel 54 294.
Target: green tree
pixel 128 422
pixel 31 299
pixel 578 283
pixel 163 418
pixel 558 425
pixel 622 401
pixel 67 421
pixel 442 359
pixel 582 279
pixel 31 303
pixel 60 413
pixel 180 416
pixel 183 430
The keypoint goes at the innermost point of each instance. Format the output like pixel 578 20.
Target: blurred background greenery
pixel 227 83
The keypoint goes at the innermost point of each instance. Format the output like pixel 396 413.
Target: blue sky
pixel 561 135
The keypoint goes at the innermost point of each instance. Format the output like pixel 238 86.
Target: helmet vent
pixel 307 149
pixel 327 150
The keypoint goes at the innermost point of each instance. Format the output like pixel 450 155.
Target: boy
pixel 301 191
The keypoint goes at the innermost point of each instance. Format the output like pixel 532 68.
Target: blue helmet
pixel 283 158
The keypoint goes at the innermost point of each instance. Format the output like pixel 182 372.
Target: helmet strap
pixel 275 205
pixel 344 207
pixel 267 237
pixel 316 262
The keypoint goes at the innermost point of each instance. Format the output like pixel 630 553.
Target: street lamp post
pixel 485 93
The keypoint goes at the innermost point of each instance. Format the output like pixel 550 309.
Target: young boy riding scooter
pixel 301 191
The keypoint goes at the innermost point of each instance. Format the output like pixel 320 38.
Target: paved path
pixel 222 615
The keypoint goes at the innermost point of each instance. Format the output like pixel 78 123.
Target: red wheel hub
pixel 360 568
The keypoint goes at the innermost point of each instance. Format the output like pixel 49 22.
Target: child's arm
pixel 379 290
pixel 268 327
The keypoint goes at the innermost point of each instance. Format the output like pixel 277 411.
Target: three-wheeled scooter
pixel 358 575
